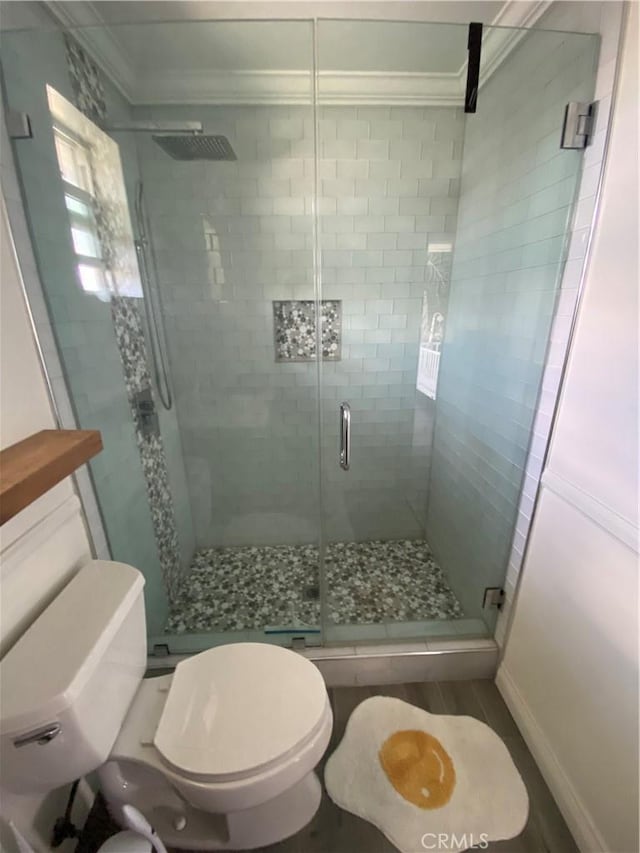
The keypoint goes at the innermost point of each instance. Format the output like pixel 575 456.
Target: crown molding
pixel 373 88
pixel 296 87
pixel 291 87
pixel 520 13
pixel 506 31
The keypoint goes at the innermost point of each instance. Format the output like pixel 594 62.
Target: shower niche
pixel 297 327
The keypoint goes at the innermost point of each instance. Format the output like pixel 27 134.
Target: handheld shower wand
pixel 137 823
pixel 139 837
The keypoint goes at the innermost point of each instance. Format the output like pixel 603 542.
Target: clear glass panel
pixel 515 209
pixel 79 307
pixel 443 236
pixel 215 499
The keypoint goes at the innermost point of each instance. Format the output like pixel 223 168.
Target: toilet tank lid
pixel 45 671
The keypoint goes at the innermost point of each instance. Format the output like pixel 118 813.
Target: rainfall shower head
pixel 195 147
pixel 182 140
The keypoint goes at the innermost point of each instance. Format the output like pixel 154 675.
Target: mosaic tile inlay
pixel 235 589
pixel 86 81
pixel 294 329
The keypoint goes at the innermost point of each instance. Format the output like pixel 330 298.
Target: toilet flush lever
pixel 39 736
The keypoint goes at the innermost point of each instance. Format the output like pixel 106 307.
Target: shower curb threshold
pixel 389 663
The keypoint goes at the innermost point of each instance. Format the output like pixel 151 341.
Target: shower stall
pixel 302 275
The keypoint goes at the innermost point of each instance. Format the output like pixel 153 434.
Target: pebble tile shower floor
pixel 253 587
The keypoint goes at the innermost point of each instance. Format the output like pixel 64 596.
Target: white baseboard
pixel 574 811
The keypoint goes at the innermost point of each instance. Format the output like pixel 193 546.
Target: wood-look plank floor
pixel 336 831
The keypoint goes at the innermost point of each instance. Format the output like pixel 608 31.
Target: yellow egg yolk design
pixel 419 768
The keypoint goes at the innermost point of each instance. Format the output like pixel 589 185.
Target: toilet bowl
pixel 221 754
pixel 218 756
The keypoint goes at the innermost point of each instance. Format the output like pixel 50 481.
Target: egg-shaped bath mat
pixel 427 781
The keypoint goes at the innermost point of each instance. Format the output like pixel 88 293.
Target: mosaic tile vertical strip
pixel 294 330
pixel 127 323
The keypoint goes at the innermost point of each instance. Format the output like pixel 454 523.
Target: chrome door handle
pixel 345 436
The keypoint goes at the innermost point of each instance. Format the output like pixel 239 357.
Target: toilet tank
pixel 68 682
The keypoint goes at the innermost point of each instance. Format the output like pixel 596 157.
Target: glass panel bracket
pixel 474 47
pixel 18 125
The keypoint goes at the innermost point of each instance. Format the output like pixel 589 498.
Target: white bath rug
pixel 427 781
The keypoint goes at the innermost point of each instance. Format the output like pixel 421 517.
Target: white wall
pixel 570 668
pixel 43 545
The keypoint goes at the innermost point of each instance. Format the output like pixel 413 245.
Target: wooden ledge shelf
pixel 31 467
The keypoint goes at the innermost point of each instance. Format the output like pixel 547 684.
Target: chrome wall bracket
pixel 578 124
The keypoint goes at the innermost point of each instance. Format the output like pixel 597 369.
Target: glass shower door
pixel 391 130
pixel 442 241
pixel 233 241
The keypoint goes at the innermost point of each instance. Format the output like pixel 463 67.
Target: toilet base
pixel 247 829
pixel 276 819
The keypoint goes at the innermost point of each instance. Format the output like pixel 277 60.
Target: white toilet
pixel 219 755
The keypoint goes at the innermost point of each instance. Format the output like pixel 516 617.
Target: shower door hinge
pixel 493 597
pixel 578 124
pixel 18 125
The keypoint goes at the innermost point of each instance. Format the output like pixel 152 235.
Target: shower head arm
pixel 192 127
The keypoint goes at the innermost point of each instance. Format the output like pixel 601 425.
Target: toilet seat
pixel 239 710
